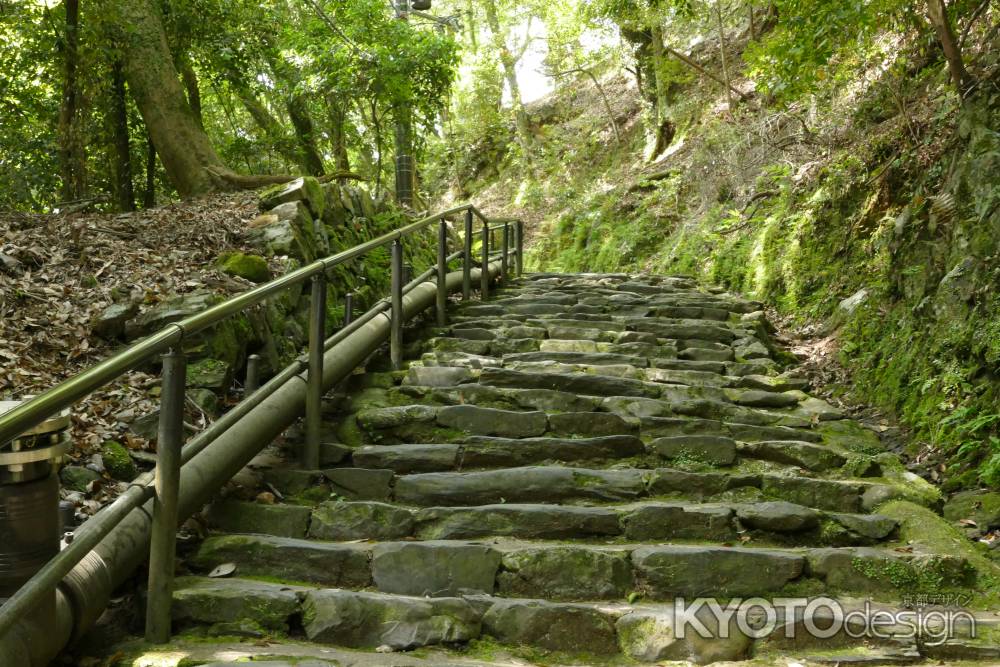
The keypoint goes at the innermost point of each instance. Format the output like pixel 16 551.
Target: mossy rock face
pixel 209 374
pixel 252 267
pixel 118 462
pixel 231 600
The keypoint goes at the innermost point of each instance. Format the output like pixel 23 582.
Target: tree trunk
pixel 72 155
pixel 185 151
pixel 149 197
pixel 193 92
pixel 305 133
pixel 122 171
pixel 664 129
pixel 509 63
pixel 938 14
pixel 272 128
pixel 722 53
pixel 338 133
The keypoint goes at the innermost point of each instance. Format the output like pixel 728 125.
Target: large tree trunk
pixel 272 128
pixel 509 62
pixel 338 132
pixel 185 151
pixel 193 91
pixel 938 14
pixel 122 171
pixel 149 196
pixel 663 127
pixel 72 155
pixel 305 133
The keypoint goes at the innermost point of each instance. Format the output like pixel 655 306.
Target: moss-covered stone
pixel 252 267
pixel 118 462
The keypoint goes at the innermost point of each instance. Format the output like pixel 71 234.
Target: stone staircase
pixel 546 480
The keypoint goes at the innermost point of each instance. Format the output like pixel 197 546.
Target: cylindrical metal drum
pixel 29 530
pixel 29 499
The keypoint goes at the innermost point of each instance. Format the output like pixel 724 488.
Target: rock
pixel 697 484
pixel 778 517
pixel 490 421
pixel 336 565
pixel 802 454
pixel 387 418
pixel 583 358
pixel 118 462
pixel 206 400
pixel 515 520
pixel 209 374
pixel 983 507
pixel 307 190
pixel 819 493
pixel 690 571
pixel 434 569
pixel 110 322
pixel 173 309
pixel 332 453
pixel 871 526
pixel 242 517
pixel 685 377
pixel 636 337
pixel 360 483
pixel 287 231
pixel 859 570
pixel 551 627
pixel 715 450
pixel 346 521
pixel 756 398
pixel 78 478
pixel 652 637
pixel 251 267
pixel 658 521
pixel 437 376
pixel 487 452
pixel 408 458
pixel 473 334
pixel 755 350
pixel 566 573
pixel 371 620
pixel 575 346
pixel 588 424
pixel 215 601
pixel 531 484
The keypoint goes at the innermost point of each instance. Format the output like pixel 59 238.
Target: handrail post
pixel 442 273
pixel 519 260
pixel 314 379
pixel 252 383
pixel 503 254
pixel 396 326
pixel 348 308
pixel 163 539
pixel 467 258
pixel 484 278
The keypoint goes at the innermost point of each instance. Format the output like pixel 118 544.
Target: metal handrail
pixel 63 395
pixel 35 411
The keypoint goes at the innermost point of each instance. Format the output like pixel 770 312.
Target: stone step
pixel 575 572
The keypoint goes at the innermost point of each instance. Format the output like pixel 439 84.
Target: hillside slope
pixel 867 214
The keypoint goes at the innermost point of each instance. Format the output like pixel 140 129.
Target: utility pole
pixel 404 135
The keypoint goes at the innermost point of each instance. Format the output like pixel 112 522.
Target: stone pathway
pixel 551 473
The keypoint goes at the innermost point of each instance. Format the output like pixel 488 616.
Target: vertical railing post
pixel 348 308
pixel 396 329
pixel 519 266
pixel 314 380
pixel 163 538
pixel 467 258
pixel 484 278
pixel 253 375
pixel 504 252
pixel 442 272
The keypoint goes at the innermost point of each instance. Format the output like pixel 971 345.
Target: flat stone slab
pixel 669 571
pixel 524 521
pixel 589 385
pixel 346 521
pixel 551 626
pixel 246 517
pixel 665 521
pixel 229 601
pixel 716 450
pixel 779 517
pixel 490 421
pixel 325 564
pixel 566 573
pixel 588 359
pixel 790 452
pixel 487 452
pixel 589 424
pixel 524 485
pixel 371 620
pixel 434 569
pixel 404 459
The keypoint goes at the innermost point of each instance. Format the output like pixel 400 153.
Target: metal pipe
pixel 484 278
pixel 442 272
pixel 163 540
pixel 348 308
pixel 253 375
pixel 32 640
pixel 314 395
pixel 467 258
pixel 519 260
pixel 396 336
